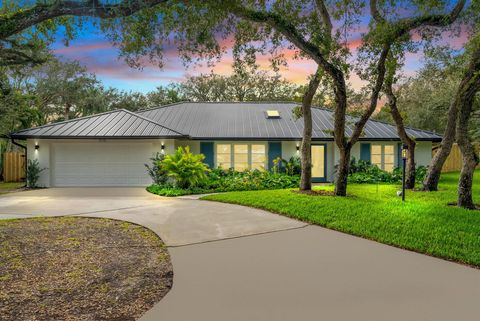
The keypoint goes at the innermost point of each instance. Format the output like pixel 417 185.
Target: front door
pixel 319 169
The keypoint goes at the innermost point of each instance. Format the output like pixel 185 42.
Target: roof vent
pixel 272 114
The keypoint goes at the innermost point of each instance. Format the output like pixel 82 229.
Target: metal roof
pixel 209 121
pixel 113 124
pixel 247 120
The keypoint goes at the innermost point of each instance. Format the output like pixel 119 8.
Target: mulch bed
pixel 73 268
pixel 455 204
pixel 316 192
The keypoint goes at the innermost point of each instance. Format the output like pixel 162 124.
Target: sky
pixel 94 51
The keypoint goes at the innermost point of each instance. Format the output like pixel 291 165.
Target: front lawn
pixel 73 268
pixel 424 223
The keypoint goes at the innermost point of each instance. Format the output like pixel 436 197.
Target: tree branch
pixel 381 70
pixel 375 13
pixel 324 15
pixel 23 19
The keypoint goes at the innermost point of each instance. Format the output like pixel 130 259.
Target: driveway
pixel 235 263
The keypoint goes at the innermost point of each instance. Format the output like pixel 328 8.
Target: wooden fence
pixel 14 167
pixel 454 160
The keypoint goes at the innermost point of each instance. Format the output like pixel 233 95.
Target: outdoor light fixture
pixel 163 148
pixel 404 162
pixel 37 146
pixel 298 147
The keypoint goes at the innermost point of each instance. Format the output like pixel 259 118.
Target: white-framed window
pixel 259 156
pixel 224 155
pixel 383 156
pixel 241 156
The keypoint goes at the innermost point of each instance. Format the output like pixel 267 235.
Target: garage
pixel 100 164
pixel 107 149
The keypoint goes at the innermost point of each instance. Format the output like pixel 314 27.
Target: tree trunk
pixel 402 133
pixel 342 172
pixel 410 166
pixel 66 113
pixel 465 182
pixel 463 104
pixel 470 158
pixel 430 183
pixel 306 147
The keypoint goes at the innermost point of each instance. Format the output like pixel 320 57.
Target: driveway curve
pixel 236 263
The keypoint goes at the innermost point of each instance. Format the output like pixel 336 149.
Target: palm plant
pixel 185 168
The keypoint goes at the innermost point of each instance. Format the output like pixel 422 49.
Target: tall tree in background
pixel 64 88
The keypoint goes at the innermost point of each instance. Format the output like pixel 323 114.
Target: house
pixel 110 149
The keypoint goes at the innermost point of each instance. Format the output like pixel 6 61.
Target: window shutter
pixel 365 152
pixel 274 151
pixel 206 148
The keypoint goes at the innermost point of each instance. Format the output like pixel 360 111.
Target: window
pixel 383 156
pixel 224 155
pixel 241 156
pixel 388 158
pixel 258 156
pixel 376 155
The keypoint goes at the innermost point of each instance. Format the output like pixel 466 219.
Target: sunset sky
pixel 95 52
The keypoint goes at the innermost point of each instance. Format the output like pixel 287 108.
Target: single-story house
pixel 110 149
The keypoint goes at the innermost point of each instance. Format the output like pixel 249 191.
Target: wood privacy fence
pixel 14 166
pixel 454 160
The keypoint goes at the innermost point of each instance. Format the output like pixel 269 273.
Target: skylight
pixel 273 114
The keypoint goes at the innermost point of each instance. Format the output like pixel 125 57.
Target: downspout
pixel 25 148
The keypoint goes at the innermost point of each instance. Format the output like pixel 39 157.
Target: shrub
pixel 156 169
pixel 218 180
pixel 363 172
pixel 185 168
pixel 292 166
pixel 33 173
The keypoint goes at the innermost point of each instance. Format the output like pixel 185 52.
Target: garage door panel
pixel 101 164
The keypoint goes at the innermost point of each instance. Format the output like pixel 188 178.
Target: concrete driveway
pixel 266 267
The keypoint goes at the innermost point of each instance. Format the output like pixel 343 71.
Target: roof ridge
pixel 150 120
pixel 220 102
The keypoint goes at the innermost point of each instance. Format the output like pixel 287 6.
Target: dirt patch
pixel 72 268
pixel 316 193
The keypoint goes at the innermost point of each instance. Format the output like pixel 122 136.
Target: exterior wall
pixel 45 153
pixel 193 144
pixel 423 153
pixel 289 148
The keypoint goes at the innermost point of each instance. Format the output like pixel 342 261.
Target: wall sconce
pixel 298 147
pixel 37 147
pixel 163 148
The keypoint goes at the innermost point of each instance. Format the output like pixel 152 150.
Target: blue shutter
pixel 206 148
pixel 274 151
pixel 365 153
pixel 399 155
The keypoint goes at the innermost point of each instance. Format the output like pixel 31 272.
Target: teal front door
pixel 319 166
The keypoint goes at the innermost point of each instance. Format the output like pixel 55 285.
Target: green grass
pixel 425 223
pixel 5 187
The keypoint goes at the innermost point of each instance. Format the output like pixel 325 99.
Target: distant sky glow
pixel 93 50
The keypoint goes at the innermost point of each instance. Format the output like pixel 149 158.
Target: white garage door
pixel 100 164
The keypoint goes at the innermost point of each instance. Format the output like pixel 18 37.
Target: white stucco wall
pixel 289 148
pixel 45 153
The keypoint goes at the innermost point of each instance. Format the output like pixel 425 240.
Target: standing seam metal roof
pixel 115 124
pixel 209 121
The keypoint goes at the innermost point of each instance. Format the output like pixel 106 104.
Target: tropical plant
pixel 33 173
pixel 185 168
pixel 156 169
